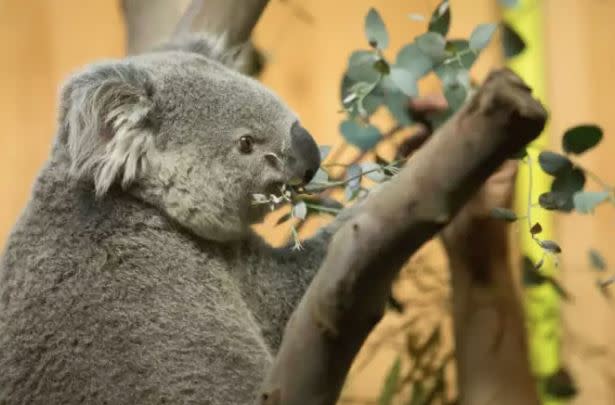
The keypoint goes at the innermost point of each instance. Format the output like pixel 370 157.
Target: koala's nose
pixel 306 152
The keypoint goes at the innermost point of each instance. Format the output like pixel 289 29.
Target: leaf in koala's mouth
pixel 295 181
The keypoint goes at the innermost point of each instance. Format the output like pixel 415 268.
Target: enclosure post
pixel 541 302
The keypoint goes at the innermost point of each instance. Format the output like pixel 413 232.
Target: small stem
pixel 322 208
pixel 529 192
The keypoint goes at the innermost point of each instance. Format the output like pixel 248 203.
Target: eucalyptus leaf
pixel 320 177
pixel 560 385
pixel 433 45
pixel 441 19
pixel 300 210
pixel 353 176
pixel 373 171
pixel 481 36
pixel 456 83
pixel 360 98
pixel 550 246
pixel 363 137
pixel 554 163
pixel 375 30
pixel 581 138
pixel 554 200
pixel 520 155
pixel 324 152
pixel 531 274
pixel 567 183
pixel 390 384
pixel 536 229
pixel 596 260
pixel 405 81
pixel 586 201
pixel 411 58
pixel 419 394
pixel 398 105
pixel 361 66
pixel 512 43
pixel 504 213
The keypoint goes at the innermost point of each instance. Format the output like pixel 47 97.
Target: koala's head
pixel 187 134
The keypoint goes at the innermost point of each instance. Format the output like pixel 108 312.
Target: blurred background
pixel 307 45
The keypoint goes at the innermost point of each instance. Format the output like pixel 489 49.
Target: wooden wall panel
pixel 41 42
pixel 581 82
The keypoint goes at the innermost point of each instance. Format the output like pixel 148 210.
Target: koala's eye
pixel 246 144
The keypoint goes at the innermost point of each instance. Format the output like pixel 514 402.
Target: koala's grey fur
pixel 132 276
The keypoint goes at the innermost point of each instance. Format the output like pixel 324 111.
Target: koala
pixel 133 275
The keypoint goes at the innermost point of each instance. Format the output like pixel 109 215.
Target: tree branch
pixel 234 18
pixel 348 295
pixel 149 22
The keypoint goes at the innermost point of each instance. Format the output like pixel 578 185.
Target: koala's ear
pixel 107 119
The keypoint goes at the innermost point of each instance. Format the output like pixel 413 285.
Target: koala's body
pixel 132 276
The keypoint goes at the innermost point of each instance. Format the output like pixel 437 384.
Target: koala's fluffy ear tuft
pixel 107 123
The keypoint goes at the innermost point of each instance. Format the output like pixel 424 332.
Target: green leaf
pixel 509 3
pixel 520 155
pixel 581 138
pixel 531 276
pixel 411 58
pixel 375 30
pixel 596 260
pixel 353 92
pixel 553 163
pixel 560 385
pixel 373 171
pixel 504 213
pixel 418 394
pixel 456 83
pixel 300 210
pixel 512 43
pixel 586 201
pixel 320 177
pixel 361 66
pixel 405 81
pixel 536 229
pixel 398 105
pixel 353 178
pixel 461 49
pixel 481 36
pixel 441 19
pixel 559 288
pixel 363 137
pixel 433 45
pixel 390 384
pixel 568 183
pixel 550 246
pixel 554 201
pixel 324 152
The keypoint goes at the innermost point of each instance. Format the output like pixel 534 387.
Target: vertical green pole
pixel 541 302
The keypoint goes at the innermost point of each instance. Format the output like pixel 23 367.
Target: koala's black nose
pixel 306 153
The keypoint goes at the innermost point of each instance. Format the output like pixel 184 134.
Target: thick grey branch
pixel 234 18
pixel 150 22
pixel 348 295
